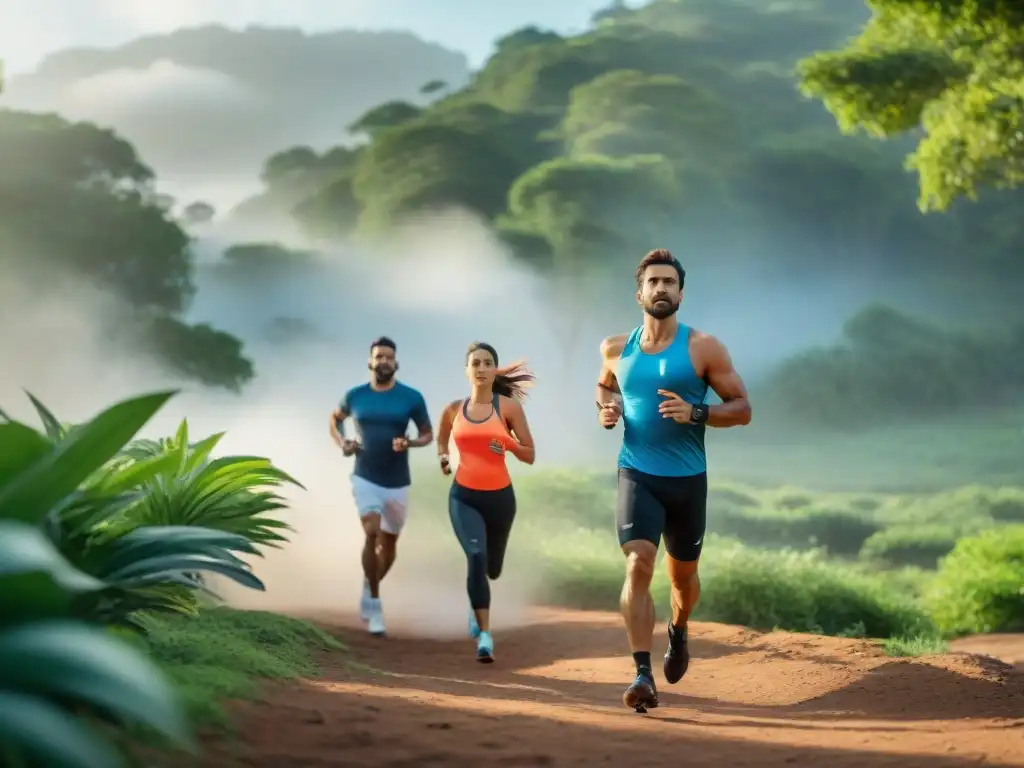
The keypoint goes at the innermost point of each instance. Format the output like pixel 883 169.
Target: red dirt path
pixel 553 698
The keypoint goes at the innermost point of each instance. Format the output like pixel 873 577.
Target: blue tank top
pixel 651 443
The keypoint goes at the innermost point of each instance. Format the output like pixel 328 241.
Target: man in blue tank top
pixel 381 410
pixel 655 379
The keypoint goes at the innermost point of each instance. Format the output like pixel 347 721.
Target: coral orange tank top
pixel 480 468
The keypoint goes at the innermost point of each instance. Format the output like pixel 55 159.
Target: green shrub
pixel 740 585
pixel 802 592
pixel 980 584
pixel 1007 505
pixel 865 503
pixel 840 531
pixel 970 508
pixel 920 546
pixel 791 499
pixel 731 498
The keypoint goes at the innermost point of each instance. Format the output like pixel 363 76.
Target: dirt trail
pixel 553 698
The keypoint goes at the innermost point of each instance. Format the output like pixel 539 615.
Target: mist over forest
pixel 245 210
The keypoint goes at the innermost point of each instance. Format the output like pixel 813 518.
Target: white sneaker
pixel 364 602
pixel 375 624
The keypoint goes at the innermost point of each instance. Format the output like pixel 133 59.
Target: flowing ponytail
pixel 511 380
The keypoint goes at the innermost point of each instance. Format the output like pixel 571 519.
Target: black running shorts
pixel 651 507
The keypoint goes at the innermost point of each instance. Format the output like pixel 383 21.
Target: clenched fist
pixel 609 415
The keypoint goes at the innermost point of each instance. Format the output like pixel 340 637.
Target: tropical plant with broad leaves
pixel 58 673
pixel 157 515
pixel 234 494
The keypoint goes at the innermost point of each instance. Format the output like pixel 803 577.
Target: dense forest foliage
pixel 681 123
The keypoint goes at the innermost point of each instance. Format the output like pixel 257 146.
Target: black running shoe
pixel 641 695
pixel 677 657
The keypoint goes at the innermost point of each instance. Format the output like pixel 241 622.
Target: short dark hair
pixel 659 256
pixel 383 341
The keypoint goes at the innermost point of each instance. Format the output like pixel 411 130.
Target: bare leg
pixel 685 593
pixel 685 588
pixel 483 619
pixel 638 612
pixel 371 527
pixel 635 601
pixel 387 544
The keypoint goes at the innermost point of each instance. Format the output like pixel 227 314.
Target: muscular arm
pixel 727 384
pixel 607 385
pixel 444 427
pixel 515 418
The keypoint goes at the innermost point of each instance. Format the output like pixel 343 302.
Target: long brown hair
pixel 511 380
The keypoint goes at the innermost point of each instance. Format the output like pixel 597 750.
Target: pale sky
pixel 29 29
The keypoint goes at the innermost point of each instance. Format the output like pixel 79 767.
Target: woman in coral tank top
pixel 486 426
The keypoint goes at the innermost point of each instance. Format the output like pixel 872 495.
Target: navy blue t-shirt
pixel 380 416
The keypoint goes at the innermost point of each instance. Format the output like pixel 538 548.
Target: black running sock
pixel 642 659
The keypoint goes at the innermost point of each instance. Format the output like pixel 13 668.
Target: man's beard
pixel 661 308
pixel 383 375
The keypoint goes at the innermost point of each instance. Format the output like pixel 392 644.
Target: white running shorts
pixel 392 504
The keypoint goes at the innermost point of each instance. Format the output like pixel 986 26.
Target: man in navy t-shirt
pixel 381 410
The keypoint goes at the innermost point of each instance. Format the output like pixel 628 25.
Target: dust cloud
pixel 434 287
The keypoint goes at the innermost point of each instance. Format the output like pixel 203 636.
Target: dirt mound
pixel 1006 648
pixel 554 698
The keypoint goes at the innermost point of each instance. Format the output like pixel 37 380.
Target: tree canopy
pixel 683 124
pixel 952 68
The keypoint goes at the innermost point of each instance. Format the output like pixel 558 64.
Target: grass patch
pixel 224 654
pixel 916 645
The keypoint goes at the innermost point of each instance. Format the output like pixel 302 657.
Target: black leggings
pixel 482 521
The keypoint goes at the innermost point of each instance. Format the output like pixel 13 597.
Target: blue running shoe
pixel 474 627
pixel 642 694
pixel 485 648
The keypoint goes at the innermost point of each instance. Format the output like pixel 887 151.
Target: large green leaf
pixel 38 731
pixel 34 491
pixel 35 580
pixel 224 494
pixel 20 448
pixel 136 474
pixel 72 661
pixel 151 541
pixel 200 452
pixel 155 568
